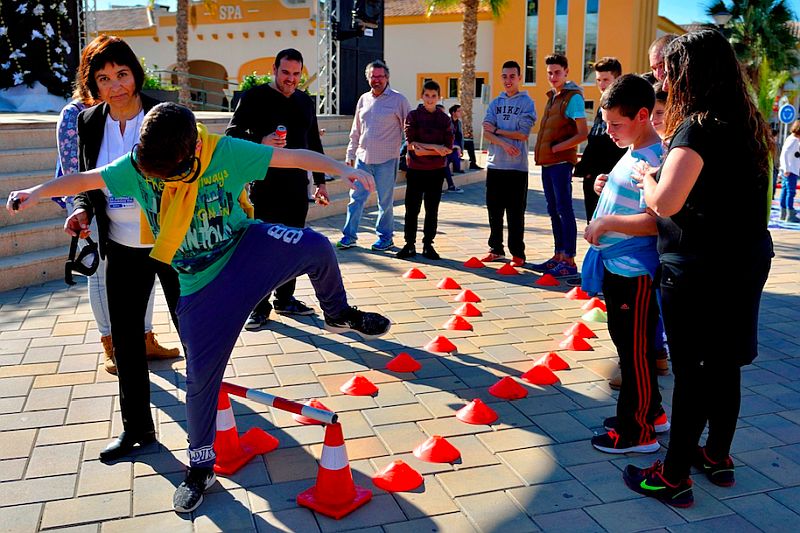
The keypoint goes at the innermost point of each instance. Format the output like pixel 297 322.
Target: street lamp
pixel 722 18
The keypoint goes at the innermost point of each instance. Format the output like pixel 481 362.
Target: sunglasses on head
pixel 186 171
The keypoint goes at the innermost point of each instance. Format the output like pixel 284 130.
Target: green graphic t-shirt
pixel 218 221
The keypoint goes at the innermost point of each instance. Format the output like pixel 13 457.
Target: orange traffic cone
pixel 594 303
pixel 437 450
pixel 552 361
pixel 448 283
pixel 458 323
pixel 335 494
pixel 579 329
pixel 508 389
pixel 403 363
pixel 577 294
pixel 576 344
pixel 474 262
pixel 507 270
pixel 467 309
pixel 547 281
pixel 441 344
pixel 467 296
pixel 540 375
pixel 310 421
pixel 234 452
pixel 359 386
pixel 397 476
pixel 414 273
pixel 476 412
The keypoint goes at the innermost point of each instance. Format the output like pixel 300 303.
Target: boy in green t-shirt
pixel 220 254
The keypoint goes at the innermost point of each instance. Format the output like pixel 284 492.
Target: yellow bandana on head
pixel 178 200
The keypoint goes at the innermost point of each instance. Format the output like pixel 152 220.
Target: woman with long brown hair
pixel 711 196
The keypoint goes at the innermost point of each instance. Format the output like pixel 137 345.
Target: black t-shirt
pixel 726 210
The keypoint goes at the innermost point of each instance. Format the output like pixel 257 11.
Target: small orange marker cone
pixel 595 315
pixel 448 283
pixel 474 262
pixel 310 421
pixel 467 296
pixel 414 273
pixel 335 494
pixel 552 361
pixel 577 294
pixel 507 270
pixel 508 389
pixel 467 309
pixel 437 450
pixel 441 344
pixel 576 344
pixel 547 281
pixel 234 452
pixel 397 477
pixel 403 363
pixel 540 375
pixel 579 329
pixel 458 323
pixel 476 412
pixel 594 303
pixel 358 385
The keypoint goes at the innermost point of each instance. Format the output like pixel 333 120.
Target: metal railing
pixel 206 94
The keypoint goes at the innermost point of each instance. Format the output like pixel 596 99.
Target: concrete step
pixel 16 136
pixel 14 181
pixel 32 268
pixel 45 210
pixel 22 159
pixel 32 236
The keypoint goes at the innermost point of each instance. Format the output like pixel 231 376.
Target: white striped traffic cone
pixel 234 452
pixel 335 494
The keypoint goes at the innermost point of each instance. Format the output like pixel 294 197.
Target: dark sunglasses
pixel 186 171
pixel 85 264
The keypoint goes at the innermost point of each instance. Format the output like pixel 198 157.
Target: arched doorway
pixel 209 86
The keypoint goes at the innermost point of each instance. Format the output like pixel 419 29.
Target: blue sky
pixel 679 11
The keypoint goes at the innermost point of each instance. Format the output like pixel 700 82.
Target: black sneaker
pixel 409 250
pixel 428 252
pixel 256 321
pixel 473 166
pixel 719 473
pixel 612 442
pixel 189 494
pixel 650 482
pixel 368 325
pixel 292 307
pixel 661 423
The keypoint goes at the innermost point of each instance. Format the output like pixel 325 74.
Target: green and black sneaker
pixel 650 482
pixel 719 473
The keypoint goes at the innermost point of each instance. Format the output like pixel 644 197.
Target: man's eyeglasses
pixel 186 171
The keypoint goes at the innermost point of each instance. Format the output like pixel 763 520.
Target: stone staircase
pixel 33 245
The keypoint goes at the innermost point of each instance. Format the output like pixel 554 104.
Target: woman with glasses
pixel 112 73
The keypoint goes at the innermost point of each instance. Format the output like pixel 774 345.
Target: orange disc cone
pixel 579 329
pixel 397 476
pixel 403 363
pixel 547 281
pixel 234 452
pixel 448 283
pixel 437 450
pixel 476 412
pixel 359 386
pixel 467 296
pixel 576 344
pixel 310 421
pixel 507 270
pixel 474 262
pixel 414 273
pixel 552 361
pixel 595 315
pixel 335 494
pixel 508 389
pixel 577 294
pixel 458 323
pixel 467 309
pixel 540 375
pixel 594 303
pixel 441 344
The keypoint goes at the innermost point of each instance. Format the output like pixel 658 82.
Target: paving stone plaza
pixel 532 470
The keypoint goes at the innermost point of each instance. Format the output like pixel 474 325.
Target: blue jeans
pixel 385 175
pixel 788 190
pixel 557 183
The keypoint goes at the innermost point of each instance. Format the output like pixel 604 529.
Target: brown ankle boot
pixel 109 363
pixel 155 351
pixel 662 363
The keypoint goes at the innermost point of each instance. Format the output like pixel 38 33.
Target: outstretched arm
pixel 315 162
pixel 64 186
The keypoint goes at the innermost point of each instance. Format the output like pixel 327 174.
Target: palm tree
pixel 182 50
pixel 469 49
pixel 759 29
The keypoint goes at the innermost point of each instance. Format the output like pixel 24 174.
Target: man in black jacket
pixel 283 196
pixel 601 154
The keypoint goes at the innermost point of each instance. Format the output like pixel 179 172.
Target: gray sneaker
pixel 189 494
